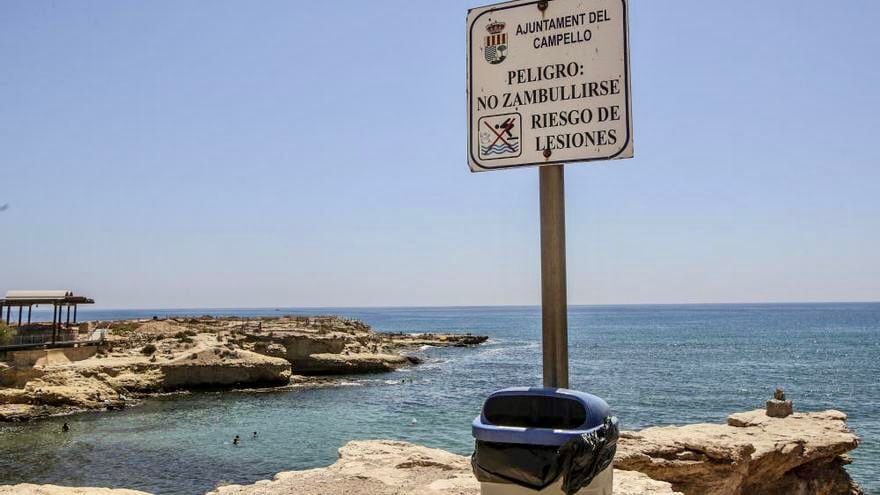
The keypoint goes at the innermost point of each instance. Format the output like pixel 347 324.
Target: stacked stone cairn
pixel 778 407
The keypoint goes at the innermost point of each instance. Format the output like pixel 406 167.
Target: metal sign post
pixel 554 298
pixel 548 83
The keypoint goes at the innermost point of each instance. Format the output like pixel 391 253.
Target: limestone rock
pixel 105 382
pixel 69 388
pixel 18 412
pixel 211 368
pixel 434 339
pixel 374 468
pixel 271 349
pixel 206 363
pixel 202 352
pixel 753 453
pixel 635 483
pixel 384 467
pixel 778 407
pixel 332 346
pixel 343 364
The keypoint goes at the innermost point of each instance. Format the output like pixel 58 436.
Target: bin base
pixel 601 485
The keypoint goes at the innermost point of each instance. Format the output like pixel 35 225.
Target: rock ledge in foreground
pixel 385 467
pixel 753 454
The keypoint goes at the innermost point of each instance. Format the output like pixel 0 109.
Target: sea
pixel 655 365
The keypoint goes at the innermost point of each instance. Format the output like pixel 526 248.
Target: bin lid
pixel 538 416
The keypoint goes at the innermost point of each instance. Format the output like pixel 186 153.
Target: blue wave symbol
pixel 500 149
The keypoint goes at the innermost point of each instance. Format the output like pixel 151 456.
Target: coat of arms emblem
pixel 496 43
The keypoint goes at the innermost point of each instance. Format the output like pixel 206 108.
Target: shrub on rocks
pixel 5 333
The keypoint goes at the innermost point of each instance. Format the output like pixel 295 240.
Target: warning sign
pixel 548 83
pixel 500 136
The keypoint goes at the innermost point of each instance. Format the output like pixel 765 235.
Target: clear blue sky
pixel 277 153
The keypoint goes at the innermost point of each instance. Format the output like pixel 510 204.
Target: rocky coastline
pixel 140 358
pixel 803 453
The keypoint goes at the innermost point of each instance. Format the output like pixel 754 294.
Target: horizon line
pixel 468 306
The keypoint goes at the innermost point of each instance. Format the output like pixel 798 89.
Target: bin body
pixel 601 485
pixel 544 441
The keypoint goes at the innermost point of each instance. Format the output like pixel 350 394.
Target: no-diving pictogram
pixel 500 136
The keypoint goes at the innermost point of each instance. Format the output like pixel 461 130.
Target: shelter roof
pixel 31 297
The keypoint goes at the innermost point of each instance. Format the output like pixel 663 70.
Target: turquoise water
pixel 655 365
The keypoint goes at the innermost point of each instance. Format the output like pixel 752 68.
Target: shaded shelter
pixel 59 299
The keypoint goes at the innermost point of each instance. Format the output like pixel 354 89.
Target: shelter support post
pixel 554 294
pixel 55 318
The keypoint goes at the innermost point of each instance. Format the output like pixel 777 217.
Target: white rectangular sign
pixel 548 83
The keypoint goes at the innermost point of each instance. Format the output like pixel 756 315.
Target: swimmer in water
pixel 236 440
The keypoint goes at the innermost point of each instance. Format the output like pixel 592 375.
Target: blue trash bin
pixel 546 441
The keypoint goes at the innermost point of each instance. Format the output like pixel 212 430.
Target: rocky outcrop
pixel 207 368
pixel 58 391
pixel 754 453
pixel 347 364
pixel 66 387
pixel 333 346
pixel 324 352
pixel 778 407
pixel 144 357
pixel 208 364
pixel 803 454
pixel 434 339
pixel 108 382
pixel 384 467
